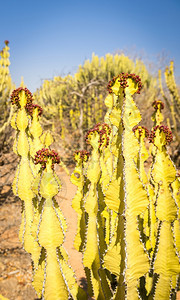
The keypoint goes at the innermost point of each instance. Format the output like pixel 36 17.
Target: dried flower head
pixel 123 81
pixel 42 156
pixel 162 128
pixel 141 130
pixel 158 104
pixel 81 154
pixel 30 108
pixel 15 99
pixel 103 130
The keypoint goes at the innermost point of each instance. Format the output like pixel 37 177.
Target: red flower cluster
pixel 156 103
pixel 140 129
pixel 29 105
pixel 42 156
pixel 165 129
pixel 15 96
pixel 103 130
pixel 123 81
pixel 84 155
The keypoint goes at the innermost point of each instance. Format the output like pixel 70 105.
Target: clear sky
pixel 51 38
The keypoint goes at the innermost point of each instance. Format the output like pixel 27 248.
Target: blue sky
pixel 51 38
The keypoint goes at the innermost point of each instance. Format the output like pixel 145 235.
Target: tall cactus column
pixel 95 244
pixel 167 263
pixel 134 264
pixel 137 264
pixel 58 281
pixel 22 98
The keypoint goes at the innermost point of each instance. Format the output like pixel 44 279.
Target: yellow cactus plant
pixel 127 218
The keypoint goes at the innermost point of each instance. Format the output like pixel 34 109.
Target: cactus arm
pixel 78 178
pixel 126 86
pixel 153 221
pixel 91 234
pixel 137 262
pixel 166 262
pixel 47 139
pixel 176 230
pixel 38 275
pixel 157 116
pixel 80 234
pixel 36 130
pixel 105 175
pixel 55 286
pixel 141 133
pixel 74 290
pixel 94 205
pixel 60 215
pixel 24 176
pixel 112 194
pixel 163 174
pixel 176 234
pixel 51 231
pixel 112 258
pixel 50 236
